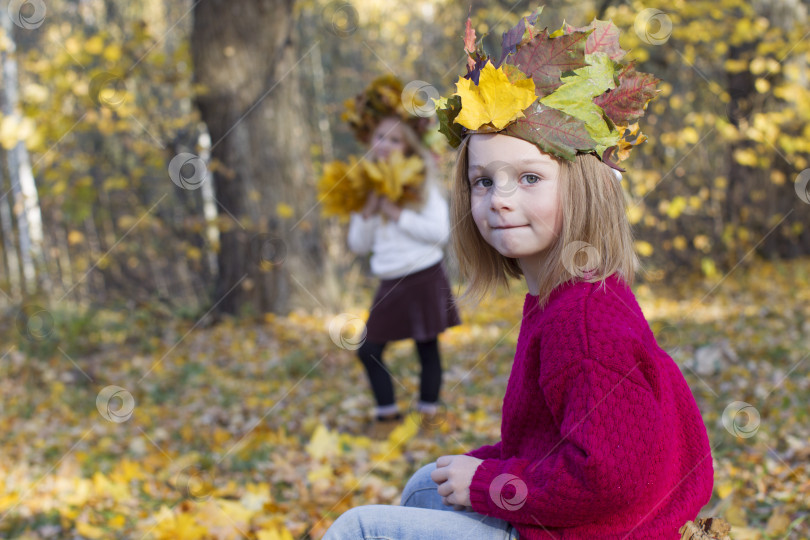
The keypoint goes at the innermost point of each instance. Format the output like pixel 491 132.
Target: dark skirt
pixel 417 306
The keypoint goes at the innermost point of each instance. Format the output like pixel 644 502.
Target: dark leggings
pixel 431 380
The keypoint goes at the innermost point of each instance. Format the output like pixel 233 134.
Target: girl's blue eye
pixel 532 178
pixel 483 182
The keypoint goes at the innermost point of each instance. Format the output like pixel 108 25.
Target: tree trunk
pixel 21 177
pixel 741 89
pixel 246 61
pixel 9 245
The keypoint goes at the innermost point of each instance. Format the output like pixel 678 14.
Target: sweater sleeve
pixel 490 451
pixel 361 233
pixel 610 423
pixel 431 224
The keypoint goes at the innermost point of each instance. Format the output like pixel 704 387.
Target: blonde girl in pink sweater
pixel 601 437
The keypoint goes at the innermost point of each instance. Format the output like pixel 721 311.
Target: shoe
pixel 384 425
pixel 432 422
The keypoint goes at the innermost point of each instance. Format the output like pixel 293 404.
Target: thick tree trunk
pixel 246 60
pixel 741 90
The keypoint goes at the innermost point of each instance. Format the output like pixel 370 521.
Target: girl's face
pixel 514 196
pixel 388 138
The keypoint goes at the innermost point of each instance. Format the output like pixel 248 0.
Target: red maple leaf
pixel 626 103
pixel 469 44
pixel 553 131
pixel 544 59
pixel 604 38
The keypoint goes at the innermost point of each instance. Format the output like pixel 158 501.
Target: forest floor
pixel 255 429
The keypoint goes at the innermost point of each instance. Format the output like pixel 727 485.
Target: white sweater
pixel 412 243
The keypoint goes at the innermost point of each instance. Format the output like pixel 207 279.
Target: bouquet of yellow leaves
pixel 344 187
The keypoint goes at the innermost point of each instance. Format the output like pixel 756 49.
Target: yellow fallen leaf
pixel 274 534
pixel 778 523
pixel 323 443
pixel 117 521
pixel 172 526
pixel 88 531
pixel 404 432
pixel 724 490
pixel 736 515
pixel 324 472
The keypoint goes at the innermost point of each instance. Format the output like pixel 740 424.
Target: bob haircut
pixel 595 239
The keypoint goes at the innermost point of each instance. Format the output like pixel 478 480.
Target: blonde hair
pixel 594 224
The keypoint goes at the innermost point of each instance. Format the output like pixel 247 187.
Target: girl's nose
pixel 501 194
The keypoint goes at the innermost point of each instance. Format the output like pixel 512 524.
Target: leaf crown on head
pixel 380 100
pixel 566 91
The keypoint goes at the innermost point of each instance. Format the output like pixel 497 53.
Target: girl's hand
pixel 454 475
pixel 390 209
pixel 372 205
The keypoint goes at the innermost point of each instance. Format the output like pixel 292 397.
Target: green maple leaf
pixel 575 98
pixel 446 111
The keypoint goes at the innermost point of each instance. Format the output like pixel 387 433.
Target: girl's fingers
pixel 445 490
pixel 439 476
pixel 444 461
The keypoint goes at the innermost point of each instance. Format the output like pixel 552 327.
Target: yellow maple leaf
pixel 324 443
pixel 390 177
pixel 342 189
pixel 495 100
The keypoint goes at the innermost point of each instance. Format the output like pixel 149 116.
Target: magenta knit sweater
pixel 600 437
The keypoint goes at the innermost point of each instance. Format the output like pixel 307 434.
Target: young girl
pixel 414 300
pixel 600 435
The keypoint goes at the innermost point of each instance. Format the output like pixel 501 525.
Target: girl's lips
pixel 508 226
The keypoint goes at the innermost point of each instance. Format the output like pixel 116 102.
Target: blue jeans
pixel 422 516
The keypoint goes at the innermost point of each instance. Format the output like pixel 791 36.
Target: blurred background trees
pixel 164 154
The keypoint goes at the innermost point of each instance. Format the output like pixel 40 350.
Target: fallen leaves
pixel 705 529
pixel 257 429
